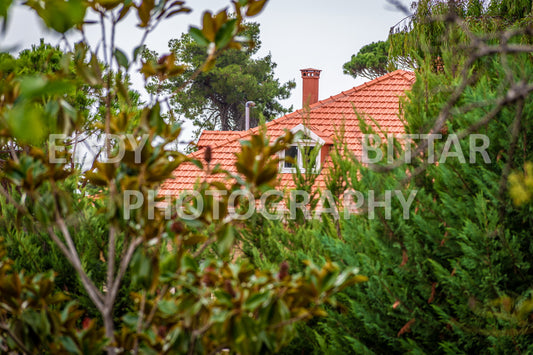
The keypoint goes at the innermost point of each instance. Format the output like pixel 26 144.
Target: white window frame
pixel 313 141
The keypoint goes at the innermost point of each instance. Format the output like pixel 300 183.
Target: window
pixel 300 155
pixel 304 153
pixel 292 153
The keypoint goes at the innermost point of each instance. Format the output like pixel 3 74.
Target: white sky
pixel 299 34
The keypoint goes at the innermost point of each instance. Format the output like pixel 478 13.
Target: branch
pixel 204 246
pixel 515 93
pixel 104 41
pixel 12 201
pixel 94 293
pixel 400 7
pixel 69 252
pixel 195 334
pixel 111 256
pixel 125 261
pixel 139 323
pixel 161 294
pixel 13 153
pixel 13 336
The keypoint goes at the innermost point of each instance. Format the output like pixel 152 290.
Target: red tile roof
pixel 378 99
pixel 215 137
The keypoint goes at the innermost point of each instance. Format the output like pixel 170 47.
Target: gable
pixel 306 133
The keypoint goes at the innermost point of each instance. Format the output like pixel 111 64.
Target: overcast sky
pixel 299 34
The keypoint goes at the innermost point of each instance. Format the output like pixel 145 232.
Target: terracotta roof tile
pixel 378 98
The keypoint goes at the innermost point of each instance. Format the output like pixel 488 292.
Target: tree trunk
pixel 224 118
pixel 109 330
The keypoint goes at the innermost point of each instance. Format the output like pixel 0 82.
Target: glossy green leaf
pixel 256 300
pixel 69 345
pixel 168 307
pixel 188 263
pixel 198 36
pixel 197 163
pixel 122 60
pixel 137 51
pixel 225 33
pixel 60 15
pixel 225 242
pixel 27 122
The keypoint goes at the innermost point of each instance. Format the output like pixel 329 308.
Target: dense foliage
pixel 425 31
pixel 121 275
pixel 456 275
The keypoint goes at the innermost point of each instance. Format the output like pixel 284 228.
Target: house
pixel 378 99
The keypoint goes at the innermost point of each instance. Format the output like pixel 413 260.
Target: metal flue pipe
pixel 247 114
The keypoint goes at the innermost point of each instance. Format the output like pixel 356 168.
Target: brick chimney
pixel 310 79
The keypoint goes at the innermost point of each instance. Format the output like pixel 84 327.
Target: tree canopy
pixel 215 99
pixel 370 62
pixel 421 33
pixel 45 59
pixel 425 32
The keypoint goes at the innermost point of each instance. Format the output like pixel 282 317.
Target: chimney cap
pixel 310 72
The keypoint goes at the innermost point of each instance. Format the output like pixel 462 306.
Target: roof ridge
pixel 360 87
pixel 216 131
pixel 404 73
pixel 316 105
